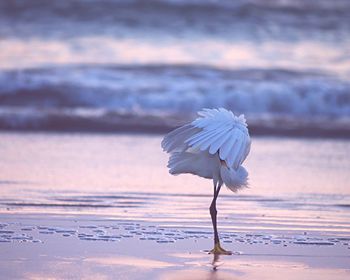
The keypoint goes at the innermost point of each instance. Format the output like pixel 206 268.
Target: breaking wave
pixel 162 96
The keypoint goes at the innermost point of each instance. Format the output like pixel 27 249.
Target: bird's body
pixel 213 146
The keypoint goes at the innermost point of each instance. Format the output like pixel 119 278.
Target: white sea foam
pixel 176 90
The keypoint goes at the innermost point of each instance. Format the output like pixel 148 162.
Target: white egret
pixel 213 146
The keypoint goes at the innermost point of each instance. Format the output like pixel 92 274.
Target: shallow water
pixel 294 185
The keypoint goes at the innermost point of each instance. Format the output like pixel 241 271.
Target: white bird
pixel 212 146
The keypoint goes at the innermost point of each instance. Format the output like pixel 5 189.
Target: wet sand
pixel 88 247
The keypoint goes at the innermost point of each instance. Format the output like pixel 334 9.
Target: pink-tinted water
pixel 295 184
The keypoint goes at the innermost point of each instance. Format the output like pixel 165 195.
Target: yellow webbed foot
pixel 218 250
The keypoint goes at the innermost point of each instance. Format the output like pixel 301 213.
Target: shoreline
pixel 255 130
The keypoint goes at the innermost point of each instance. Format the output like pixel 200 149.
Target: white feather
pixel 213 146
pixel 206 143
pixel 175 140
pixel 200 163
pixel 227 146
pixel 200 136
pixel 234 179
pixel 216 124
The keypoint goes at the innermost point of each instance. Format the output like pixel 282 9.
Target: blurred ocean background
pixel 140 65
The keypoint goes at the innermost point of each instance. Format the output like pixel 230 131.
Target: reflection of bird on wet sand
pixel 213 146
pixel 202 274
pixel 216 262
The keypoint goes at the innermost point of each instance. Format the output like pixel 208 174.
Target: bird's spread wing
pixel 220 131
pixel 175 140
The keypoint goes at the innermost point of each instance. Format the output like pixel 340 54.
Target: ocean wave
pixel 254 19
pixel 159 97
pixel 177 90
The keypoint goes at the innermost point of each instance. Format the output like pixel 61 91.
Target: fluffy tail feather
pixel 234 179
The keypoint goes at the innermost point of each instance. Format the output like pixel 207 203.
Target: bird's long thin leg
pixel 213 213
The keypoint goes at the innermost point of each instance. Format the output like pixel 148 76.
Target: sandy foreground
pixel 43 246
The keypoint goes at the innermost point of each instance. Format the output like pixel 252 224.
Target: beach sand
pixel 94 206
pixel 86 247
